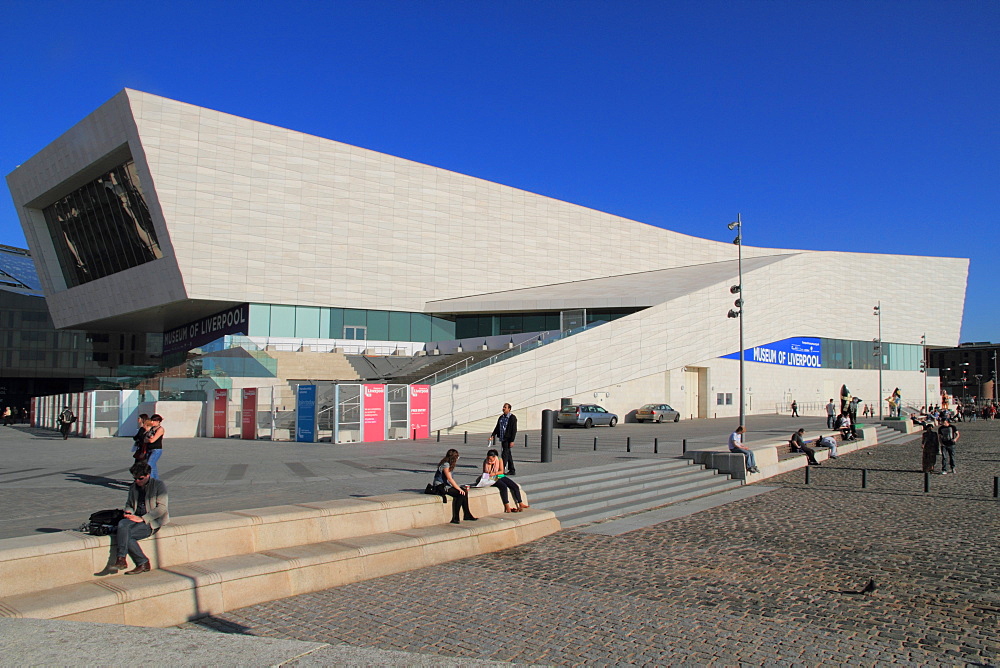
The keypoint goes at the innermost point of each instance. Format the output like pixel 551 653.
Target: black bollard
pixel 414 434
pixel 595 444
pixel 996 487
pixel 525 440
pixel 927 482
pixel 807 474
pixel 656 446
pixel 558 442
pixel 864 478
pixel 548 424
pixel 628 444
pixel 684 446
pixel 465 438
pixel 439 435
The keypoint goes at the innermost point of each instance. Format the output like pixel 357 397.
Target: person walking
pixel 736 445
pixel 831 412
pixel 506 432
pixel 947 436
pixel 795 408
pixel 66 420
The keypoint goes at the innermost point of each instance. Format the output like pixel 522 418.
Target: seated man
pixel 798 442
pixel 846 427
pixel 145 513
pixel 736 445
pixel 828 442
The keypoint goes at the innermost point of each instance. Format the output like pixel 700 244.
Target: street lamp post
pixel 923 364
pixel 995 379
pixel 878 353
pixel 733 313
pixel 979 390
pixel 965 381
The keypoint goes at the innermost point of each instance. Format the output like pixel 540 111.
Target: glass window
pixel 307 322
pixel 378 325
pixel 399 326
pixel 103 227
pixel 420 327
pixel 260 320
pixel 282 320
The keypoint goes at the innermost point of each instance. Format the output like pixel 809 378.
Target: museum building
pixel 156 216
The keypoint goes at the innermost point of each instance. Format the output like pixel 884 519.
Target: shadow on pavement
pixel 100 481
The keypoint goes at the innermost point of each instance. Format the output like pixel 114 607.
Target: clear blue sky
pixel 840 125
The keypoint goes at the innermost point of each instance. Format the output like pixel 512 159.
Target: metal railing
pixel 543 340
pixel 450 366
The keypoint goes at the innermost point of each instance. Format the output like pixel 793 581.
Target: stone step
pixel 600 492
pixel 571 519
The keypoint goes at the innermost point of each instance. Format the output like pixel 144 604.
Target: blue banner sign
pixel 789 352
pixel 305 414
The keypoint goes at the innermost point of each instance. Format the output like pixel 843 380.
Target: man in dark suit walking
pixel 506 432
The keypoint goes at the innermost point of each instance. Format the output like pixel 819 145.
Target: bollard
pixel 864 478
pixel 927 482
pixel 628 444
pixel 439 435
pixel 525 440
pixel 996 487
pixel 559 442
pixel 807 475
pixel 595 444
pixel 684 446
pixel 548 424
pixel 414 434
pixel 656 446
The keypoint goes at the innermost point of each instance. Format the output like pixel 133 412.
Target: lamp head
pixel 733 225
pixel 735 289
pixel 733 313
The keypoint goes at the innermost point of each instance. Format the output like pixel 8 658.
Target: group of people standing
pixel 12 416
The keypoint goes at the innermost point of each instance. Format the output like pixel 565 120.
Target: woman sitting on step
pixel 493 467
pixel 444 481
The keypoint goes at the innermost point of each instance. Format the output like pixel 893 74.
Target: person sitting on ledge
pixel 145 513
pixel 799 443
pixel 736 445
pixel 493 467
pixel 828 442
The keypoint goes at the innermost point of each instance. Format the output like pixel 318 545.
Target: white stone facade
pixel 247 212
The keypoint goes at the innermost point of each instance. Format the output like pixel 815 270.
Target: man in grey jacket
pixel 145 513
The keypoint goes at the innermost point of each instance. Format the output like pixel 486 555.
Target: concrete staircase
pixel 587 495
pixel 313 366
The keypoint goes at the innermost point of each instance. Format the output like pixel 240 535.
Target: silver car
pixel 657 413
pixel 587 415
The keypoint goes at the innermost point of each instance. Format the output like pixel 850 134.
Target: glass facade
pixel 315 322
pixel 103 227
pixel 842 354
pixel 470 326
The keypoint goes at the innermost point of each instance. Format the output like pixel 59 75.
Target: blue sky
pixel 859 126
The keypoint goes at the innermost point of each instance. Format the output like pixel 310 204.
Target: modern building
pixel 968 371
pixel 152 215
pixel 37 359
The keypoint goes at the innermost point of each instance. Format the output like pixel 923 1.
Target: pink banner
pixel 32 413
pixel 220 410
pixel 420 411
pixel 374 412
pixel 249 414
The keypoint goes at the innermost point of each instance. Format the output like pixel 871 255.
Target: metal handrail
pixel 522 347
pixel 433 375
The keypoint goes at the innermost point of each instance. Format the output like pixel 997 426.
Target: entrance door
pixel 692 392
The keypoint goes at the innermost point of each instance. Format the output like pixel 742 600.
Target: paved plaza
pixel 47 484
pixel 769 580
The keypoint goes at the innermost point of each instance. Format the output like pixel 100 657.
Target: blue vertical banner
pixel 305 414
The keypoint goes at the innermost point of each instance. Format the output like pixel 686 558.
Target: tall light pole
pixel 965 381
pixel 994 393
pixel 878 353
pixel 733 313
pixel 923 365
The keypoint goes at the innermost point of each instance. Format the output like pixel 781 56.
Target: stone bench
pixel 772 456
pixel 208 564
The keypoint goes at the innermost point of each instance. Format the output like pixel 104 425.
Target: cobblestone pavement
pixel 769 580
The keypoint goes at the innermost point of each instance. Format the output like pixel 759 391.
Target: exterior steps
pixel 313 366
pixel 591 494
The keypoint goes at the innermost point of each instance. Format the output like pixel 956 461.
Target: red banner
pixel 374 412
pixel 220 410
pixel 249 414
pixel 420 411
pixel 32 411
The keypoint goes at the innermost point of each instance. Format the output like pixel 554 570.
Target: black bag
pixel 438 490
pixel 105 522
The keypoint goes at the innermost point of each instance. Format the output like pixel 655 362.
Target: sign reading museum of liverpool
pixel 788 352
